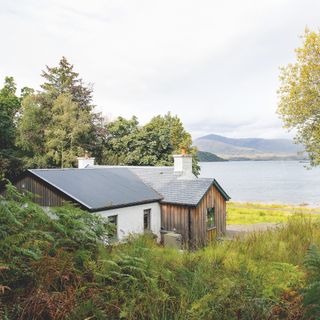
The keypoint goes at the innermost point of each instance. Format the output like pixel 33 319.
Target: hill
pixel 249 148
pixel 204 156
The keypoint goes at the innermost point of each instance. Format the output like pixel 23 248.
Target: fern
pixel 312 292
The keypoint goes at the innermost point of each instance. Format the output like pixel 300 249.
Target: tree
pixel 299 93
pixel 58 123
pixel 152 144
pixel 67 131
pixel 31 129
pixel 10 165
pixel 121 138
pixel 64 80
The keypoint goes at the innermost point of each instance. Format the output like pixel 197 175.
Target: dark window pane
pixel 146 219
pixel 210 218
pixel 113 220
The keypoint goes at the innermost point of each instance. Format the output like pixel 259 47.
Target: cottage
pixel 136 199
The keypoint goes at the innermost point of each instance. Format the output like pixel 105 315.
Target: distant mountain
pixel 249 148
pixel 204 156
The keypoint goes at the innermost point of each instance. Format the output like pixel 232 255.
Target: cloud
pixel 211 62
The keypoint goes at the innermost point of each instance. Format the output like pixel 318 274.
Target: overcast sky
pixel 213 63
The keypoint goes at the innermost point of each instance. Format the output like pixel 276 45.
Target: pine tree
pixel 59 123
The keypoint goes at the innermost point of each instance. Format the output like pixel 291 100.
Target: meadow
pixel 250 213
pixel 61 267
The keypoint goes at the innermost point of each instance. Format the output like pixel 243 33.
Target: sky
pixel 213 63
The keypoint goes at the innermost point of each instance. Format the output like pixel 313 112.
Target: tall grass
pixel 64 270
pixel 258 277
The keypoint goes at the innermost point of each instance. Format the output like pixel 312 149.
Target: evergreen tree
pixel 58 123
pixel 10 165
pixel 68 128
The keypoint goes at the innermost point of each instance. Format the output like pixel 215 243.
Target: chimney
pixel 85 161
pixel 183 165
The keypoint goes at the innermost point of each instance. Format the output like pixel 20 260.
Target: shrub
pixel 59 266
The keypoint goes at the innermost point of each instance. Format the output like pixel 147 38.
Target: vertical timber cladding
pixel 212 199
pixel 44 195
pixel 176 217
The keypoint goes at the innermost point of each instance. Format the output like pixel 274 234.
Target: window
pixel 146 219
pixel 113 234
pixel 211 219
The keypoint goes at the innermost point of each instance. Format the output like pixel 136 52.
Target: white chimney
pixel 183 166
pixel 85 161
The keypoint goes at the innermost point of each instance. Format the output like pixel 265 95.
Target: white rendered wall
pixel 130 219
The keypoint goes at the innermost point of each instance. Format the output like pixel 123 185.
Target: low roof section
pixel 99 189
pixel 172 186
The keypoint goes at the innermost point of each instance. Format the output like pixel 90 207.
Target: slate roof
pixel 171 186
pixel 98 189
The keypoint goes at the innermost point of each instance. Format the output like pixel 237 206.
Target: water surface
pixel 266 181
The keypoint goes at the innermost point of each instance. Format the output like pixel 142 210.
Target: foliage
pixel 58 266
pixel 312 291
pixel 151 145
pixel 44 254
pixel 299 105
pixel 58 123
pixel 10 164
pixel 50 128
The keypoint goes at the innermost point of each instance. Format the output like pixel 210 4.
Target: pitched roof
pixel 173 187
pixel 99 189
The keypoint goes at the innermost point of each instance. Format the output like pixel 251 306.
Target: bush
pixel 58 266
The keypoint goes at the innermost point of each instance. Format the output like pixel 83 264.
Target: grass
pixel 251 213
pixel 61 268
pixel 257 277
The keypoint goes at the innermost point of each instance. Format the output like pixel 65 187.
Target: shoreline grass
pixel 252 213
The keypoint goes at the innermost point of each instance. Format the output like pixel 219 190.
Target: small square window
pixel 147 219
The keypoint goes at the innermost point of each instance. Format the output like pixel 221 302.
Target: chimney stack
pixel 85 161
pixel 183 165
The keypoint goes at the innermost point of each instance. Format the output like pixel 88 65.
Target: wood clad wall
pixel 44 195
pixel 221 212
pixel 174 216
pixel 212 198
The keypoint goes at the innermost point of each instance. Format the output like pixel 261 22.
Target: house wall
pixel 44 195
pixel 212 198
pixel 130 219
pixel 177 217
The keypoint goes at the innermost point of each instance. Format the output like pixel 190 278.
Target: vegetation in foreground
pixel 60 267
pixel 250 213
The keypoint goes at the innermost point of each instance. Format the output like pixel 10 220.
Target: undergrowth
pixel 59 266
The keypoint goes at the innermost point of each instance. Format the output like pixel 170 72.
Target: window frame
pixel 115 236
pixel 211 221
pixel 147 213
